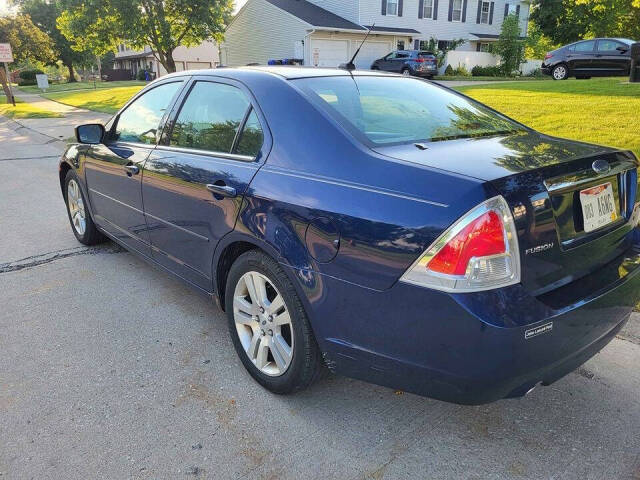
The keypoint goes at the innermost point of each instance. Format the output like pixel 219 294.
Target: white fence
pixel 471 59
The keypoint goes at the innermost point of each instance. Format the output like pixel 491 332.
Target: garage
pixel 329 53
pixel 198 65
pixel 371 51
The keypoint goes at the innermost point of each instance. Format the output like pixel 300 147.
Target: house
pixel 328 32
pixel 203 56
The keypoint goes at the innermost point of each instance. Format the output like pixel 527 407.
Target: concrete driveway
pixel 111 369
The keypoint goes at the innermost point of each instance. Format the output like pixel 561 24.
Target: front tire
pixel 79 216
pixel 268 325
pixel 560 72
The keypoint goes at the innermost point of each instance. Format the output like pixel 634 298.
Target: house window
pixel 456 14
pixel 400 44
pixel 428 9
pixel 443 44
pixel 484 13
pixel 484 47
pixel 392 7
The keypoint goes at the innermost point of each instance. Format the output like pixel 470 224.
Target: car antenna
pixel 351 66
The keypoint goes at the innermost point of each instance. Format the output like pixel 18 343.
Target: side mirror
pixel 622 49
pixel 90 133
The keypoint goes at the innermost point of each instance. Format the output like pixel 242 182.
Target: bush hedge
pixel 489 71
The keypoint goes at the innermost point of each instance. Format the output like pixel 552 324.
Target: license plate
pixel 598 207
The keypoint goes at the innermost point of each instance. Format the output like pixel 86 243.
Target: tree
pixel 101 25
pixel 44 13
pixel 441 53
pixel 27 42
pixel 509 46
pixel 537 43
pixel 567 21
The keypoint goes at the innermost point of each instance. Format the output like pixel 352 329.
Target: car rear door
pixel 113 169
pixel 611 61
pixel 580 57
pixel 194 181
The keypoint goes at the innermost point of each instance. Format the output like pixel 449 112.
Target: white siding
pixel 260 32
pixel 345 8
pixel 442 28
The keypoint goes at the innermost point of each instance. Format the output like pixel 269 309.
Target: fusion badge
pixel 534 332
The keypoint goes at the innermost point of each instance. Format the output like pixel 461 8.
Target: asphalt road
pixel 111 369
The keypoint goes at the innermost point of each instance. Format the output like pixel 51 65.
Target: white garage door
pixel 198 65
pixel 329 53
pixel 371 51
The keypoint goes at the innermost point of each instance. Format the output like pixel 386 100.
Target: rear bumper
pixel 468 349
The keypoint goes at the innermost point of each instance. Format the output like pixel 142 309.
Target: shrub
pixel 448 71
pixel 461 71
pixel 29 76
pixel 488 71
pixel 141 75
pixel 537 73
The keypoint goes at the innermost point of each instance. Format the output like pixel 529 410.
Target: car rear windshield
pixel 393 110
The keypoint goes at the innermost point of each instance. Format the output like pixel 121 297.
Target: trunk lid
pixel 548 183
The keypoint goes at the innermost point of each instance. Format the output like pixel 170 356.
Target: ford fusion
pixel 380 226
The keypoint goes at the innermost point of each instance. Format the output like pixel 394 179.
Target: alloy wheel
pixel 76 207
pixel 560 72
pixel 406 73
pixel 263 324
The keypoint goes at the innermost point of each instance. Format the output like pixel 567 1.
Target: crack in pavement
pixel 49 257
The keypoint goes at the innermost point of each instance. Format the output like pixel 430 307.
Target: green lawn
pixel 23 110
pixel 605 110
pixel 63 87
pixel 108 100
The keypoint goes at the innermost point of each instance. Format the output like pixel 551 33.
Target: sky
pixel 239 4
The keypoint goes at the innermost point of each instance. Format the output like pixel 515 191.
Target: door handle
pixel 224 190
pixel 131 169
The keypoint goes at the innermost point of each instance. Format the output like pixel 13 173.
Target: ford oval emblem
pixel 601 166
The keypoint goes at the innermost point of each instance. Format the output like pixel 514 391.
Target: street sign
pixel 5 53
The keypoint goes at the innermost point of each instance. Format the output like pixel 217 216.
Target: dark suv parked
pixel 408 62
pixel 589 58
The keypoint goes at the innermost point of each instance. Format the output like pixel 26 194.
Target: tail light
pixel 548 56
pixel 478 252
pixel 420 60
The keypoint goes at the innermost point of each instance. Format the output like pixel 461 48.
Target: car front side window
pixel 140 121
pixel 608 45
pixel 210 117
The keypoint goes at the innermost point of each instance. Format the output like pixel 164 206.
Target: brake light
pixel 420 60
pixel 478 252
pixel 548 56
pixel 482 237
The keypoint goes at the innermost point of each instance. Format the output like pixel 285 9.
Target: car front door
pixel 580 57
pixel 612 58
pixel 387 62
pixel 113 169
pixel 194 181
pixel 399 61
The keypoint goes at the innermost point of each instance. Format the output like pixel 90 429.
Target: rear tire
pixel 269 326
pixel 78 211
pixel 560 72
pixel 406 72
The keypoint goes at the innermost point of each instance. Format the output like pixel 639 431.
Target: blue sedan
pixel 378 226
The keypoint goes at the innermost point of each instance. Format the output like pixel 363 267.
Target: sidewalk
pixel 57 128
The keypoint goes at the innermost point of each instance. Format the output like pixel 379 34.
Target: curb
pixel 16 125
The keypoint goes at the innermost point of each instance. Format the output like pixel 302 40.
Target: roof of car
pixel 285 71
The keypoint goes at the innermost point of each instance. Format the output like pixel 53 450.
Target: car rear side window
pixel 585 46
pixel 210 117
pixel 393 110
pixel 140 121
pixel 251 137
